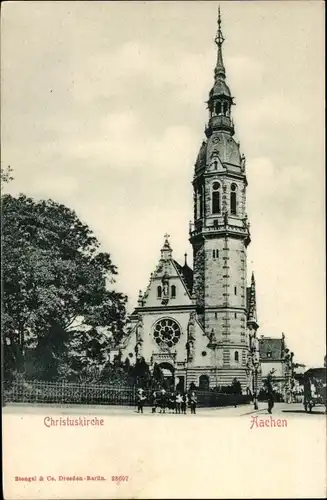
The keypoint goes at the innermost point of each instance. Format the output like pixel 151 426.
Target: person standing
pixel 193 401
pixel 270 390
pixel 184 403
pixel 162 401
pixel 179 400
pixel 140 400
pixel 154 402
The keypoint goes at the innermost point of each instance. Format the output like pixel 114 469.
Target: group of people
pixel 172 402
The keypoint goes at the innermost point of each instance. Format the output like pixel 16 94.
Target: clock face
pixel 166 333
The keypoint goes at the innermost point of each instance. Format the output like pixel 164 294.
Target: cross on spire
pixel 220 68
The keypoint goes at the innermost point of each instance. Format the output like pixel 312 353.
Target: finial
pixel 252 278
pixel 219 37
pixel 185 257
pixel 140 298
pixel 166 251
pixel 220 68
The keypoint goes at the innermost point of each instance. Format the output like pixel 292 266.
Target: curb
pixel 253 411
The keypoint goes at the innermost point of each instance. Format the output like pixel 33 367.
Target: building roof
pixel 186 274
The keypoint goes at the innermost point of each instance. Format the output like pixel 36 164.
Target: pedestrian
pixel 162 401
pixel 184 403
pixel 154 402
pixel 179 400
pixel 193 401
pixel 270 390
pixel 140 400
pixel 171 402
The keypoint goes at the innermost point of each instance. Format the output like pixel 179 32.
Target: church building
pixel 199 325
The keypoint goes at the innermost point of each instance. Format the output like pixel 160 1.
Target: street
pixel 293 410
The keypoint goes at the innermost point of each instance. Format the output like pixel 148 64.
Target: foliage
pixel 6 175
pixel 55 290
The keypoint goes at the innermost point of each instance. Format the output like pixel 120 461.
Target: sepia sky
pixel 103 109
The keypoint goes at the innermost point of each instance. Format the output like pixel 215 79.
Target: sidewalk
pixel 115 410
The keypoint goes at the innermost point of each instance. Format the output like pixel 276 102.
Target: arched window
pixel 197 202
pixel 236 356
pixel 173 292
pixel 159 292
pixel 201 200
pixel 204 382
pixel 218 108
pixel 233 193
pixel 216 198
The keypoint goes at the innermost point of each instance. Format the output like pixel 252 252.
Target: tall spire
pixel 252 305
pixel 220 68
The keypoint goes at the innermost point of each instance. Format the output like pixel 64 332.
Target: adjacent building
pixel 274 355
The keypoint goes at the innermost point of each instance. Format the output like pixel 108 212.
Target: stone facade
pixel 198 324
pixel 274 355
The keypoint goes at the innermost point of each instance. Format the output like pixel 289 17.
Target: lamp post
pixel 255 383
pixel 255 363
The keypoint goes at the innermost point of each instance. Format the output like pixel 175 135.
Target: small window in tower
pixel 159 292
pixel 233 195
pixel 236 356
pixel 235 290
pixel 215 164
pixel 201 200
pixel 173 292
pixel 216 198
pixel 216 315
pixel 235 315
pixel 218 108
pixel 269 354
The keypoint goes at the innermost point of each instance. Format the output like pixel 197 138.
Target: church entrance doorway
pixel 168 373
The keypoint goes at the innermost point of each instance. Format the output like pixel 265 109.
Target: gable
pixel 179 285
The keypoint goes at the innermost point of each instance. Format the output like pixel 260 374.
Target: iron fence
pixel 69 393
pixel 101 394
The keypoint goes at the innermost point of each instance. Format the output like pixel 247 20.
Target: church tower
pixel 220 233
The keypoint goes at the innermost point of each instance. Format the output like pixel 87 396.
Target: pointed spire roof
pixel 252 303
pixel 220 71
pixel 220 87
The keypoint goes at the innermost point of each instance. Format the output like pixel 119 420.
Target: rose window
pixel 167 332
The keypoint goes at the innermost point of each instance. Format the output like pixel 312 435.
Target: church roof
pixel 186 274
